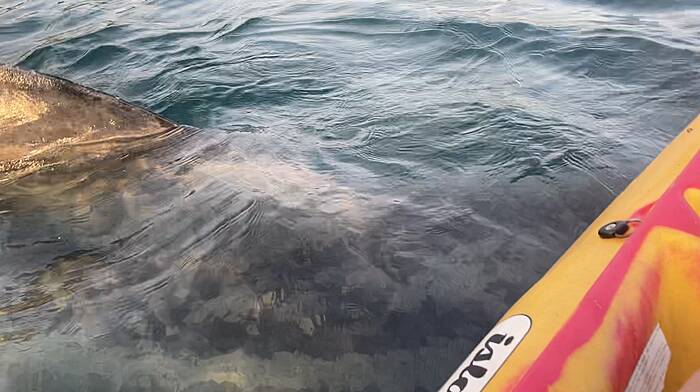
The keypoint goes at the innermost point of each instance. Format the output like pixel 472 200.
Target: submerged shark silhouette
pixel 133 248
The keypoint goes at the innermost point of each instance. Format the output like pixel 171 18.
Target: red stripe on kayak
pixel 671 210
pixel 633 330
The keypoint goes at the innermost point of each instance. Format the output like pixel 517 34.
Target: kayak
pixel 620 310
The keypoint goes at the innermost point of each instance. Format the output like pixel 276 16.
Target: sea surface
pixel 368 188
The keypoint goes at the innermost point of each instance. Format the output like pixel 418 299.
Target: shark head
pixel 47 121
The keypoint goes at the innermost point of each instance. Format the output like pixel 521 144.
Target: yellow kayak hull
pixel 612 314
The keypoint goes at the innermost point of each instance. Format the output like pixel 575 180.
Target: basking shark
pixel 139 254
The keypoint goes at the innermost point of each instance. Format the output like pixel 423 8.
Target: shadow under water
pixel 139 255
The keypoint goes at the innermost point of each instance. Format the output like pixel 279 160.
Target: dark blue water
pixel 376 183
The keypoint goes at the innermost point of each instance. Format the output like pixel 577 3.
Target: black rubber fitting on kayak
pixel 616 229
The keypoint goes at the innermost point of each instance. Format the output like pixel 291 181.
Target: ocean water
pixel 364 187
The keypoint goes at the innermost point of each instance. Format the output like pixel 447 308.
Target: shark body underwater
pixel 137 254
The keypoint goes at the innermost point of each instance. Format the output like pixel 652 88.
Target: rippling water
pixel 369 185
